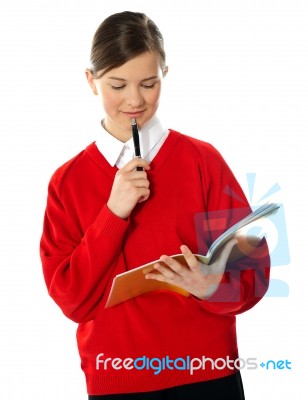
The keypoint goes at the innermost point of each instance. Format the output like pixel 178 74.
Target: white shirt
pixel 151 137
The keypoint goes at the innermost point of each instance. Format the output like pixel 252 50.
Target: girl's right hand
pixel 129 188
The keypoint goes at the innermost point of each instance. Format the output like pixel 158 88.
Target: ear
pixel 91 81
pixel 165 71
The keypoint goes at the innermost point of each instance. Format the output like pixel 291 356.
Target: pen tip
pixel 134 121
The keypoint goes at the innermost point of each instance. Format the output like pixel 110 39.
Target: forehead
pixel 140 67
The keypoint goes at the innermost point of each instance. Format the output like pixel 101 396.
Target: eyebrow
pixel 124 80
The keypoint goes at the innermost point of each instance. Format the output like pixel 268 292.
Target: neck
pixel 122 134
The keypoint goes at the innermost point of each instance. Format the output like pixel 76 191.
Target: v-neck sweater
pixel 84 245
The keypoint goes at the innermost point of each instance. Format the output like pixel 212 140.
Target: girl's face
pixel 129 91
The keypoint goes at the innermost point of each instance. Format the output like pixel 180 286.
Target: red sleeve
pixel 246 281
pixel 77 266
pixel 243 285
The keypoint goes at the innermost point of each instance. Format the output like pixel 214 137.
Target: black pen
pixel 136 141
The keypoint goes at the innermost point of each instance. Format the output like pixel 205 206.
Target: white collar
pixel 151 137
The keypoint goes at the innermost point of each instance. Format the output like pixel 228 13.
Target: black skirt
pixel 228 388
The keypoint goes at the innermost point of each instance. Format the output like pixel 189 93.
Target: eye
pixel 118 87
pixel 148 86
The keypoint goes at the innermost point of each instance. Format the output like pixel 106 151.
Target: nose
pixel 134 97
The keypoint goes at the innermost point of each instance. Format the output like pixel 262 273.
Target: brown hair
pixel 121 37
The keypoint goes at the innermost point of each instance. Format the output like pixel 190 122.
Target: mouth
pixel 134 114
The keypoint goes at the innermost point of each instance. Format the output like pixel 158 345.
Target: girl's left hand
pixel 201 280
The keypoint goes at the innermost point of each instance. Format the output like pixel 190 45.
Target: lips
pixel 134 114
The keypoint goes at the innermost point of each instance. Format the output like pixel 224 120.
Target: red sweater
pixel 84 245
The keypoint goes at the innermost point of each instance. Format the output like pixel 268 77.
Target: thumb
pixel 224 255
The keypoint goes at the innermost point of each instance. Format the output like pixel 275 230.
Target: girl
pixel 104 217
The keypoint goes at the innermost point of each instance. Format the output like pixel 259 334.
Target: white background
pixel 237 78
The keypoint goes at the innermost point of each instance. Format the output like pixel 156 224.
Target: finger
pixel 145 196
pixel 134 163
pixel 165 270
pixel 160 273
pixel 191 260
pixel 137 176
pixel 156 277
pixel 173 265
pixel 223 257
pixel 142 184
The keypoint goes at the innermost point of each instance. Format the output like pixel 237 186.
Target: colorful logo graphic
pixel 210 225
